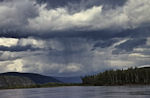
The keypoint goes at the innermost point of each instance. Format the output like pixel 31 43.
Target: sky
pixel 73 37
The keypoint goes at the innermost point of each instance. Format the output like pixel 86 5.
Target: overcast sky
pixel 73 37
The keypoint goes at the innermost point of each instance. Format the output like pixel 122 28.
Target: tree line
pixel 119 77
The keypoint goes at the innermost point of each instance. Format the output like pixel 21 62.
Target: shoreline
pixel 70 85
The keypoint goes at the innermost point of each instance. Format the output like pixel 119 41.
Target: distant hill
pixel 36 78
pixel 15 82
pixel 69 79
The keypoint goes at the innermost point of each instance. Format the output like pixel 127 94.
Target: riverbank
pixel 49 85
pixel 44 85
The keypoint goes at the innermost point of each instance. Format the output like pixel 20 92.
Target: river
pixel 79 92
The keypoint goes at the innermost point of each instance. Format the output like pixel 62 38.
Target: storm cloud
pixel 73 37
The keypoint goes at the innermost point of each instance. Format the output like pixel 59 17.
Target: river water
pixel 79 92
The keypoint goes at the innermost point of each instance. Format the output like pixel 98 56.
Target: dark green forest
pixel 119 77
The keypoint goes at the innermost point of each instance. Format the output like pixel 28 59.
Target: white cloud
pixel 60 18
pixel 15 13
pixel 11 66
pixel 36 43
pixel 8 42
pixel 53 44
pixel 23 14
pixel 139 55
pixel 16 66
pixel 72 67
pixel 137 11
pixel 121 63
pixel 130 15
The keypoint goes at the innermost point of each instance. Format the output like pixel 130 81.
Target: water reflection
pixel 79 92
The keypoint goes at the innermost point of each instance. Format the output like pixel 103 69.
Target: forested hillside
pixel 119 77
pixel 36 78
pixel 15 82
pixel 25 80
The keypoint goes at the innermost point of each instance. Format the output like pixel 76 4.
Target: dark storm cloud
pixel 30 11
pixel 129 45
pixel 105 43
pixel 57 3
pixel 14 16
pixel 18 48
pixel 74 37
pixel 95 34
pixel 81 3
